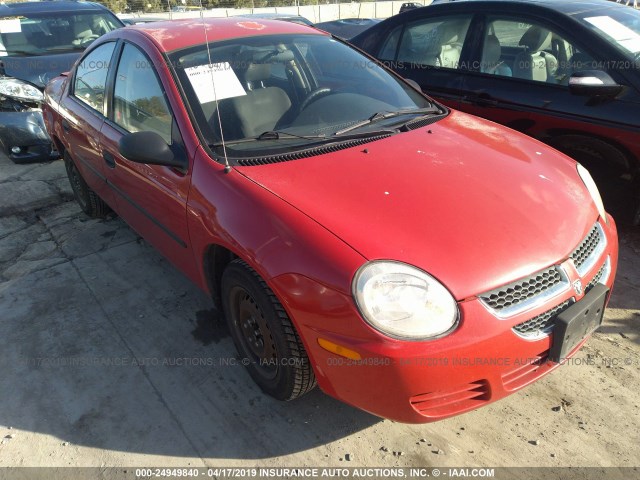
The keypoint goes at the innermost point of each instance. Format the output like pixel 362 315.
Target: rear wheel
pixel 270 347
pixel 89 201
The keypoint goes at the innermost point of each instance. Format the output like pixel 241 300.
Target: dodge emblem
pixel 577 286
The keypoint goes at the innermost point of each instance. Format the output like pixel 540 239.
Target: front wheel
pixel 270 347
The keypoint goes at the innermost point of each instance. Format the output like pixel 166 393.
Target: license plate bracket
pixel 577 322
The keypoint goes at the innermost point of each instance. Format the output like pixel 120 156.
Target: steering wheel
pixel 313 96
pixel 88 40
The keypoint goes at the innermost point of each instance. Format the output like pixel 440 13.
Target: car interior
pixel 534 62
pixel 492 58
pixel 16 42
pixel 288 87
pixel 539 55
pixel 261 108
pixel 435 44
pixel 46 34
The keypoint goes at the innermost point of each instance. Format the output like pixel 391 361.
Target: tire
pixel 610 168
pixel 89 201
pixel 600 158
pixel 263 334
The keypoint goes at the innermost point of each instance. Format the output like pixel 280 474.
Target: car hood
pixel 473 203
pixel 39 69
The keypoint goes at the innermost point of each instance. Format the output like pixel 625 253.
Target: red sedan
pixel 412 260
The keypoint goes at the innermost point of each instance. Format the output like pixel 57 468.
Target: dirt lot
pixel 89 312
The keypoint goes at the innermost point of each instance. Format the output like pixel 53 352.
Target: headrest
pixel 492 51
pixel 82 29
pixel 257 72
pixel 449 32
pixel 426 46
pixel 534 38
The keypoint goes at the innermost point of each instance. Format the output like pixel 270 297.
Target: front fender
pixel 229 210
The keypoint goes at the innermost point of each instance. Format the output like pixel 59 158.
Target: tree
pixel 117 6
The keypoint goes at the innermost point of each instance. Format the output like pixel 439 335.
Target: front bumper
pixel 25 131
pixel 482 361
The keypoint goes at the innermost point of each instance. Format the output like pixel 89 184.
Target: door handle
pixel 109 159
pixel 65 126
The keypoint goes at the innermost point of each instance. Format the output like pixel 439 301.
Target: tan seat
pixel 491 54
pixel 451 39
pixel 534 63
pixel 82 32
pixel 420 52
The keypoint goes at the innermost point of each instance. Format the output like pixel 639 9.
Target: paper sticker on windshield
pixel 10 25
pixel 624 36
pixel 214 82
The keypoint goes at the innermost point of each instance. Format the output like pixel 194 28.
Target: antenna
pixel 169 8
pixel 227 167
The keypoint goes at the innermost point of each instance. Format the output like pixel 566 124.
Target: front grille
pixel 526 372
pixel 601 275
pixel 589 250
pixel 522 294
pixel 542 324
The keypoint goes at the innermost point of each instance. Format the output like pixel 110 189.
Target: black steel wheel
pixel 264 336
pixel 89 201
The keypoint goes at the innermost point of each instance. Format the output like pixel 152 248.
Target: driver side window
pixel 91 77
pixel 139 104
pixel 531 51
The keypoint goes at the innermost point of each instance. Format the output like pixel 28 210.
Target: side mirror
pixel 592 83
pixel 150 148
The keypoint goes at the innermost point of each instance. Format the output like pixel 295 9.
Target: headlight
pixel 593 190
pixel 19 90
pixel 403 302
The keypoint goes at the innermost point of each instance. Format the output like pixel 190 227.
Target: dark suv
pixel 38 41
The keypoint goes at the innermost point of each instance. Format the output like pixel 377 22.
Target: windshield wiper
pixel 24 52
pixel 384 115
pixel 66 48
pixel 269 135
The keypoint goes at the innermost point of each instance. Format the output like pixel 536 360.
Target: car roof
pixel 567 7
pixel 177 34
pixel 25 8
pixel 278 16
pixel 269 15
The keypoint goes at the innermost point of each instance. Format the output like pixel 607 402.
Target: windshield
pixel 281 92
pixel 46 33
pixel 620 26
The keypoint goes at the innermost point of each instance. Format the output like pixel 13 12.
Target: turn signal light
pixel 338 349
